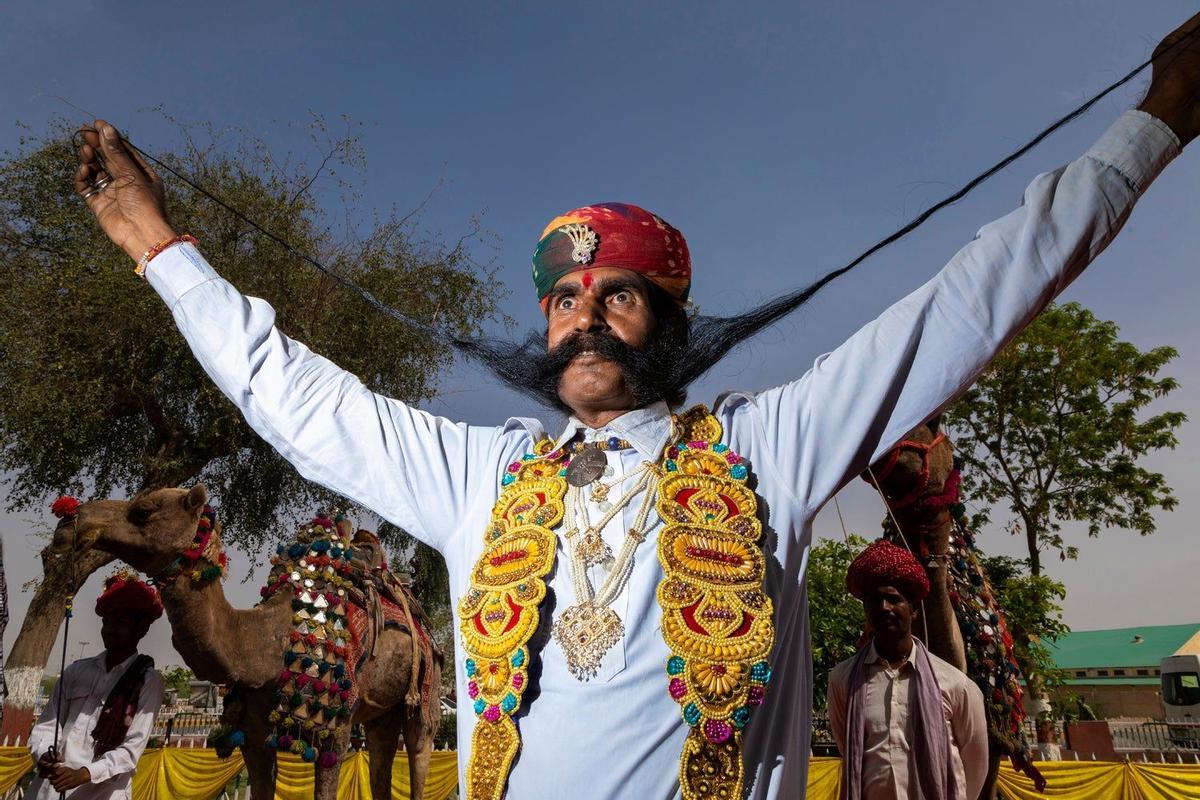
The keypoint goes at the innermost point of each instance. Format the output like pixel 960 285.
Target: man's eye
pixel 566 303
pixel 622 297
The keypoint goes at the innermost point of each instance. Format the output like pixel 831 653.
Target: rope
pixel 903 540
pixel 842 522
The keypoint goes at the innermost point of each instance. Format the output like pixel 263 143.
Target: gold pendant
pixel 585 632
pixel 592 549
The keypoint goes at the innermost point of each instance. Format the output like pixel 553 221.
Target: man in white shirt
pixel 105 704
pixel 907 723
pixel 654 681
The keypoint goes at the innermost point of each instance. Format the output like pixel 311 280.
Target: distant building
pixel 1116 672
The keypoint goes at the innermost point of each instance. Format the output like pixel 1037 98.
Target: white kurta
pixel 86 685
pixel 620 735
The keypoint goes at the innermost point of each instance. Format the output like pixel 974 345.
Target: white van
pixel 1181 698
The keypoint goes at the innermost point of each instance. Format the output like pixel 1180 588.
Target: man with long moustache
pixel 631 610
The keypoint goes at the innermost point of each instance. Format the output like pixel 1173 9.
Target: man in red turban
pixel 907 723
pixel 106 705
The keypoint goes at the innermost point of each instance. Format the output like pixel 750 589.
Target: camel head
pixel 148 532
pixel 917 468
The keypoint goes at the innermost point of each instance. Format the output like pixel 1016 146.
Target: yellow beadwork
pixel 716 620
pixel 499 613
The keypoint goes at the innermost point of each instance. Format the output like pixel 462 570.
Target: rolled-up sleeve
pixel 914 359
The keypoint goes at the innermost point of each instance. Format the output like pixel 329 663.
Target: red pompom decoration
pixel 64 507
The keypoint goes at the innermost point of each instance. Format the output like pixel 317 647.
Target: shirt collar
pixel 873 657
pixel 647 429
pixel 103 662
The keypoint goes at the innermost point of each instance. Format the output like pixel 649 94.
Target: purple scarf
pixel 930 763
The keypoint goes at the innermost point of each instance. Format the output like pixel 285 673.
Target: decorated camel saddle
pixel 343 596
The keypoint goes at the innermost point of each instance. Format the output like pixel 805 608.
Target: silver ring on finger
pixel 90 193
pixel 102 184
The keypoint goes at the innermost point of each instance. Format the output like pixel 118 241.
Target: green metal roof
pixel 1119 647
pixel 1120 680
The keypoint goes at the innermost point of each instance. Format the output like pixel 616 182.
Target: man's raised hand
pixel 1174 95
pixel 122 190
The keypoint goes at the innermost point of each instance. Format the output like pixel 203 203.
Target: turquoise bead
pixel 761 672
pixel 518 658
pixel 675 665
pixel 738 471
pixel 691 714
pixel 720 448
pixel 470 667
pixel 508 478
pixel 508 704
pixel 480 705
pixel 671 466
pixel 740 717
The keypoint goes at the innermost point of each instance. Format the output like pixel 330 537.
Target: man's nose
pixel 590 318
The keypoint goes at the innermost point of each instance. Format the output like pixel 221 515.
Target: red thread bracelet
pixel 148 256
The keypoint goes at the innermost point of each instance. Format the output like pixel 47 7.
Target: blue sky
pixel 781 138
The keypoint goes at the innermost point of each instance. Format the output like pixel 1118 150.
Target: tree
pixel 1033 612
pixel 99 392
pixel 179 679
pixel 836 620
pixel 1051 428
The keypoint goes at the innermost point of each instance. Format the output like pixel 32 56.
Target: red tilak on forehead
pixel 587 280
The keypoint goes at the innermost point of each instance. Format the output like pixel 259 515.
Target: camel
pixel 246 649
pixel 919 482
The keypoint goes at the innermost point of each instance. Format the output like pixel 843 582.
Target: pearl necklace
pixel 588 629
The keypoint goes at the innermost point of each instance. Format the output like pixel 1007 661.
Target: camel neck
pixel 928 524
pixel 221 643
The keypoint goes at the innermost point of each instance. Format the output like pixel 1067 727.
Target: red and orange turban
pixel 613 235
pixel 125 595
pixel 885 564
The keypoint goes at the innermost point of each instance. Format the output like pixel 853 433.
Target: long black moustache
pixel 650 372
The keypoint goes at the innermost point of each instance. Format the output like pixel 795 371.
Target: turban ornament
pixel 613 235
pixel 125 594
pixel 885 564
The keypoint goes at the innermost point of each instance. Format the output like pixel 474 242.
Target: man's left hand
pixel 1174 95
pixel 65 778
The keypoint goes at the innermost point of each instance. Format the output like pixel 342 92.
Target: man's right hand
pixel 47 763
pixel 130 204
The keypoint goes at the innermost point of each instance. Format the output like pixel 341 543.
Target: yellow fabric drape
pixel 824 778
pixel 1073 780
pixel 186 774
pixel 175 772
pixel 15 762
pixel 183 774
pixel 1164 781
pixel 294 778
